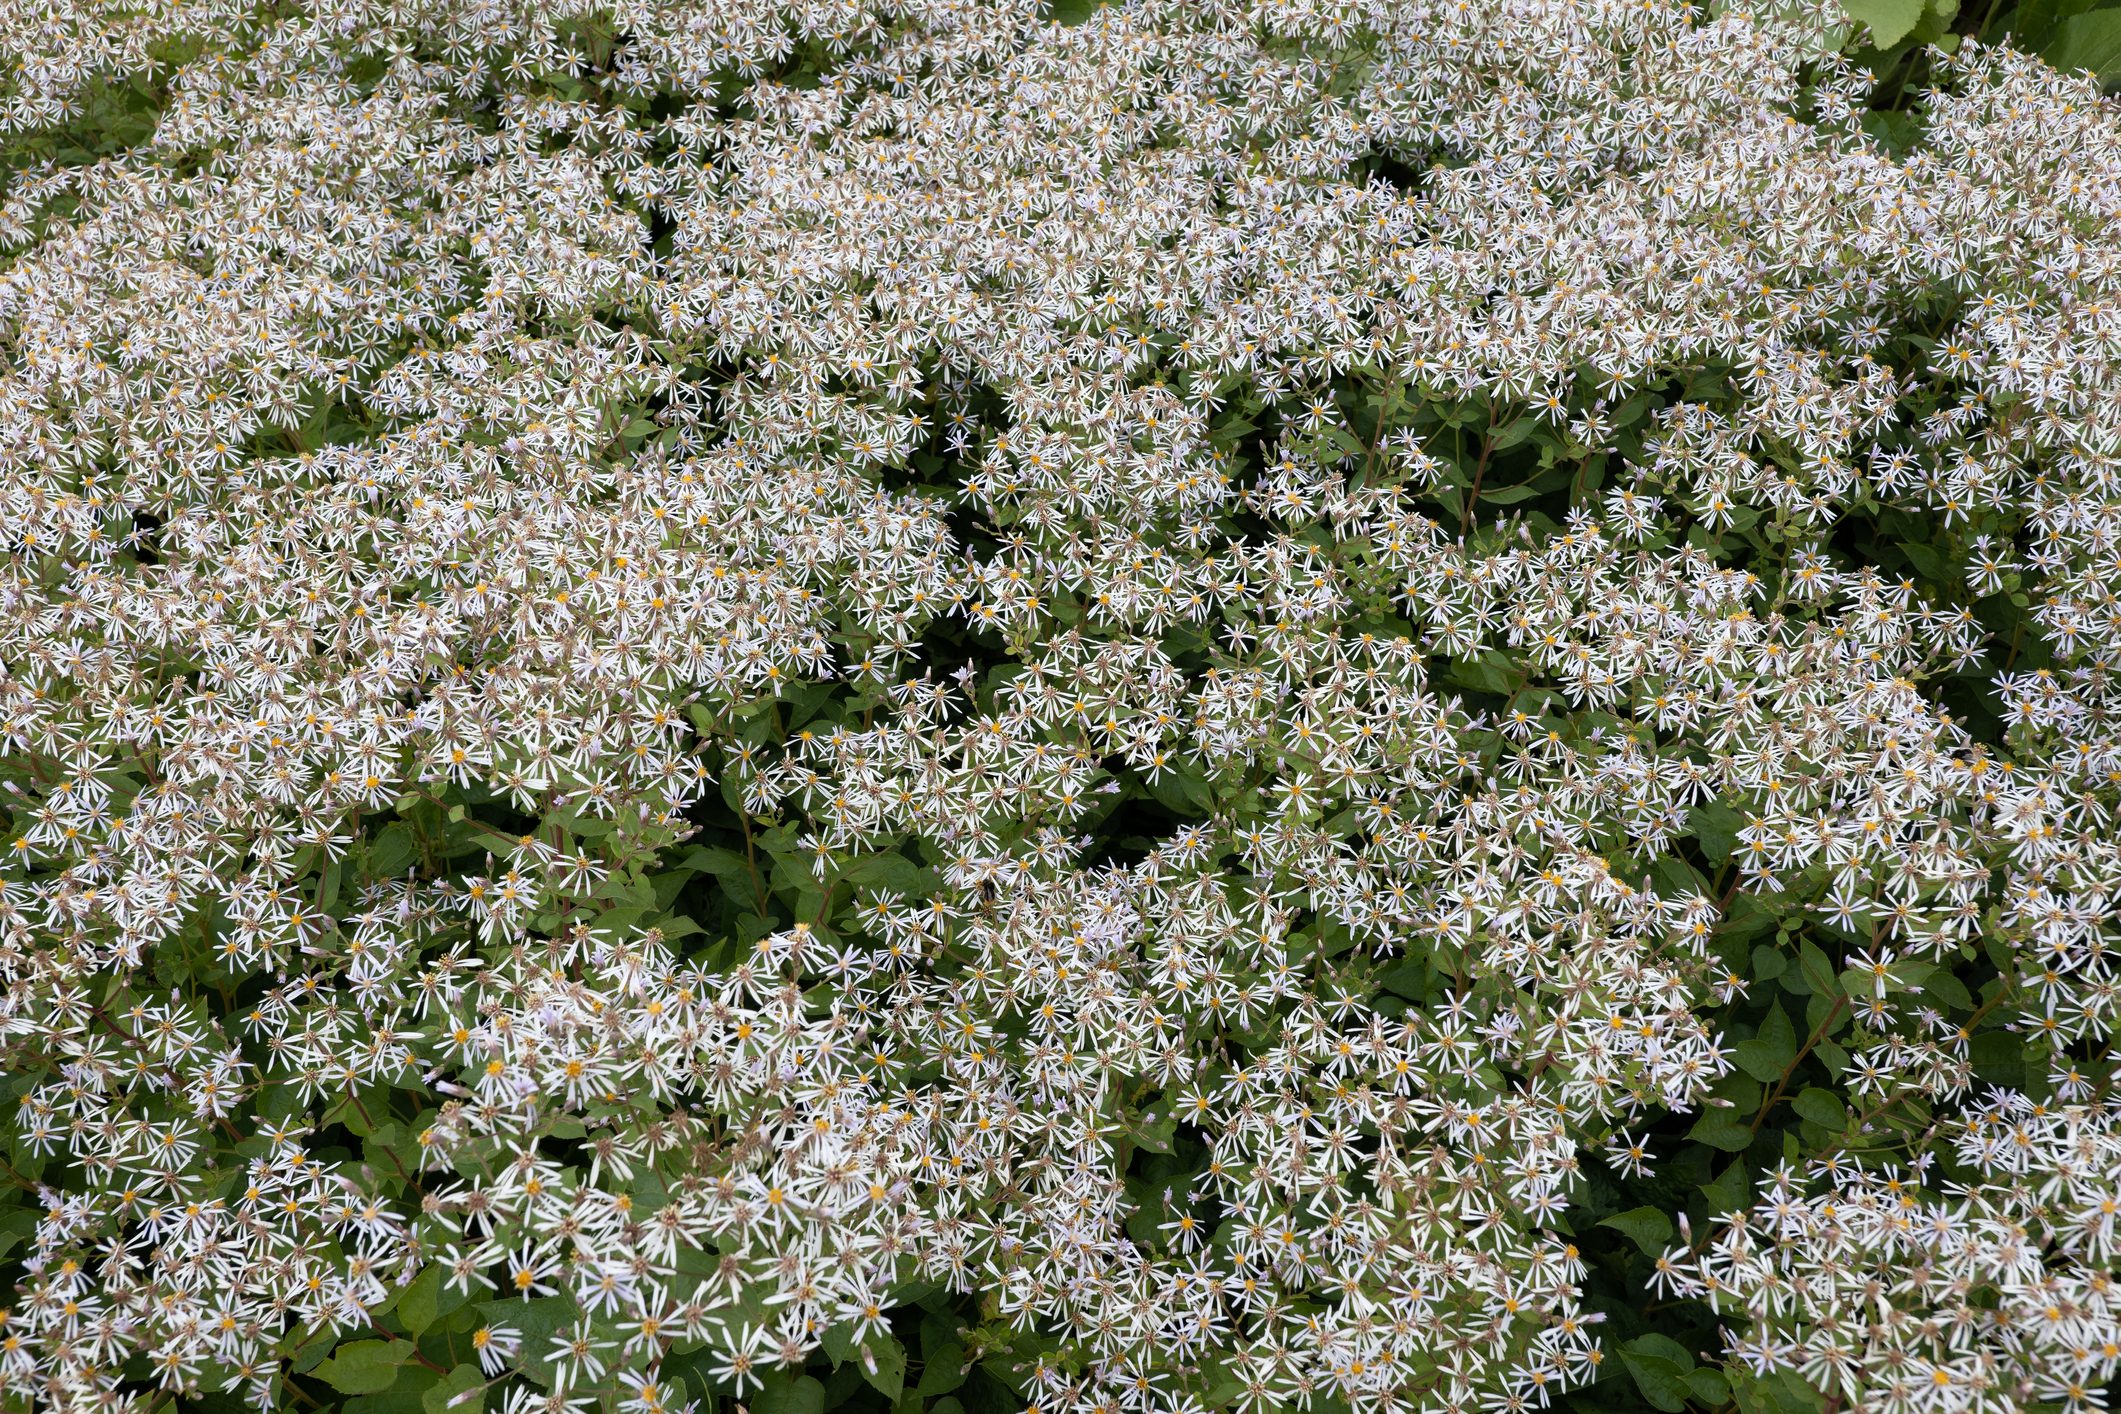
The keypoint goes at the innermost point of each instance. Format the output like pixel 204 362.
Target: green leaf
pixel 2090 41
pixel 404 1397
pixel 1648 1228
pixel 1730 1191
pixel 786 1394
pixel 1182 790
pixel 1152 1132
pixel 1768 1054
pixel 312 1348
pixel 889 1376
pixel 1661 1379
pixel 1889 21
pixel 1999 1058
pixel 1510 435
pixel 889 872
pixel 1778 1393
pixel 1664 1348
pixel 417 1305
pixel 392 851
pixel 1490 672
pixel 1508 495
pixel 1821 1107
pixel 1709 1386
pixel 365 1366
pixel 942 1357
pixel 1677 876
pixel 536 1320
pixel 1716 825
pixel 1818 971
pixel 1720 1129
pixel 838 1342
pixel 1892 130
pixel 728 867
pixel 435 1400
pixel 1929 561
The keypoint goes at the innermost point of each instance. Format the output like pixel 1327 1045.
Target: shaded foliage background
pixel 741 877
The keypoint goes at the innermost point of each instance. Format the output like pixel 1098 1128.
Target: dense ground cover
pixel 944 706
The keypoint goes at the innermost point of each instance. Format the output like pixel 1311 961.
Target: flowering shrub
pixel 1329 705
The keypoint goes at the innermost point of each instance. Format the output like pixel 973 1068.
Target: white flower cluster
pixel 480 478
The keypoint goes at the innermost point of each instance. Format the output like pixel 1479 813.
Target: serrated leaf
pixel 1716 826
pixel 1730 1190
pixel 888 872
pixel 418 1304
pixel 785 1394
pixel 1889 21
pixel 1719 1129
pixel 1663 1347
pixel 1766 1056
pixel 1662 1381
pixel 392 851
pixel 1821 1107
pixel 435 1399
pixel 2090 41
pixel 1509 436
pixel 1648 1228
pixel 1818 970
pixel 889 1357
pixel 1508 495
pixel 365 1366
pixel 1709 1386
pixel 942 1357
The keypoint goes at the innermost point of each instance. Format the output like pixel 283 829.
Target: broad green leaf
pixel 1677 877
pixel 1490 672
pixel 887 872
pixel 1709 1386
pixel 1509 436
pixel 1716 825
pixel 436 1398
pixel 1508 495
pixel 417 1304
pixel 365 1366
pixel 392 851
pixel 1819 971
pixel 1648 1228
pixel 1778 1393
pixel 1662 1381
pixel 889 1357
pixel 1888 21
pixel 1730 1191
pixel 1720 1129
pixel 536 1320
pixel 1821 1107
pixel 838 1342
pixel 789 1394
pixel 1663 1347
pixel 1182 790
pixel 1766 1056
pixel 942 1357
pixel 2091 41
